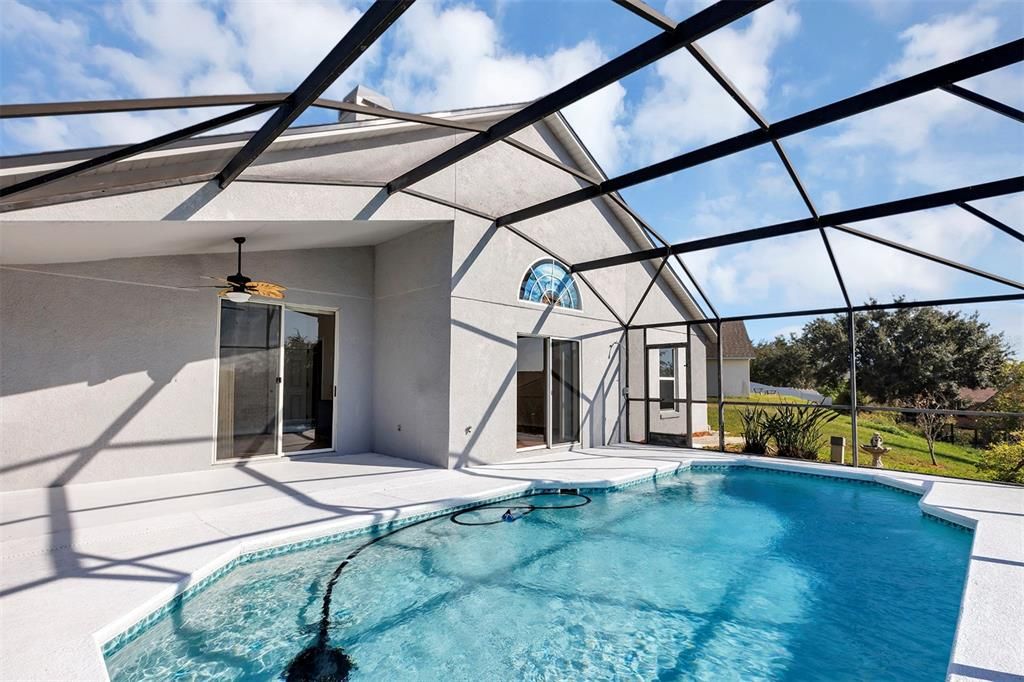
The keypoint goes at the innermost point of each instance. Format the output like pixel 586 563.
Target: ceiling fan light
pixel 238 296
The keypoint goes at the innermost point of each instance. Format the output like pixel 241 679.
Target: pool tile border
pixel 113 645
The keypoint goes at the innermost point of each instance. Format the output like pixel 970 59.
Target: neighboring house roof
pixel 976 396
pixel 735 342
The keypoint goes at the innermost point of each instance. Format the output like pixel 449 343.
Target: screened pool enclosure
pixel 654 365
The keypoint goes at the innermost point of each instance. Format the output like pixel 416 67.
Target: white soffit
pixel 36 242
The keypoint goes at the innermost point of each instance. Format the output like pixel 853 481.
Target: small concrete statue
pixel 877 449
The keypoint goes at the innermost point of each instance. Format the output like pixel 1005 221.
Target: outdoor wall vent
pixel 363 95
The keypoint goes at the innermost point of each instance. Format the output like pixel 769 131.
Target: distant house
pixel 976 399
pixel 737 352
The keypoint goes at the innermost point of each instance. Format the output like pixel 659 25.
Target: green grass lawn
pixel 909 448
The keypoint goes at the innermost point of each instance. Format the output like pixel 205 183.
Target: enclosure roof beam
pixel 645 11
pixel 679 259
pixel 816 312
pixel 134 149
pixel 968 67
pixel 991 221
pixel 697 26
pixel 273 99
pixel 814 214
pixel 987 102
pixel 929 256
pixel 370 26
pixel 883 210
pixel 151 104
pixel 650 285
pixel 655 17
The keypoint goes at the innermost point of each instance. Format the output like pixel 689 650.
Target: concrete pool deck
pixel 83 563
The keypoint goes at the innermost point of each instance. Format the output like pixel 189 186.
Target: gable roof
pixel 735 341
pixel 199 159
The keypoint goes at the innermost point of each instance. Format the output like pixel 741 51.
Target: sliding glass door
pixel 547 392
pixel 565 391
pixel 531 389
pixel 250 356
pixel 275 397
pixel 308 380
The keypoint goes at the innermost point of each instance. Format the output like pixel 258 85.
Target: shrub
pixel 797 430
pixel 755 430
pixel 1005 461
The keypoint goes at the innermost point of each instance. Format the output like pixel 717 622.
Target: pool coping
pixel 118 633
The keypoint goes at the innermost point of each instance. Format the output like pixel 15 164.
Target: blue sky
pixel 787 57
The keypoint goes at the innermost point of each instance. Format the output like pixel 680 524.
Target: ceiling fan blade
pixel 216 279
pixel 266 289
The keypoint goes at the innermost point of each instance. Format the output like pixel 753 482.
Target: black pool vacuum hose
pixel 321 662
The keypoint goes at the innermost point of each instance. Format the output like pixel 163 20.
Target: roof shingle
pixel 735 342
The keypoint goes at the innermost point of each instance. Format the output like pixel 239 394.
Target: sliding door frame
pixel 548 406
pixel 279 437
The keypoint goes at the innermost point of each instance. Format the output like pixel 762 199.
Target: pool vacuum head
pixel 320 663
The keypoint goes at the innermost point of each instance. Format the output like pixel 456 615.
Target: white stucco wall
pixel 486 319
pixel 489 264
pixel 107 373
pixel 412 323
pixel 735 376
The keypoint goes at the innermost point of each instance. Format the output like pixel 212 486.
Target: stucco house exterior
pixel 737 352
pixel 411 325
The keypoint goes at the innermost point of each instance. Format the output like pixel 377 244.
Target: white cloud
pixel 686 106
pixel 39 133
pixel 443 55
pixel 794 272
pixel 772 274
pixel 946 39
pixel 162 49
pixel 451 56
pixel 910 125
pixel 282 42
pixel 24 22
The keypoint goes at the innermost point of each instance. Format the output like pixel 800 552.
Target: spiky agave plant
pixel 798 429
pixel 755 432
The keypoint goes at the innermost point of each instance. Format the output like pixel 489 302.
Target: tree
pixel 782 362
pixel 931 423
pixel 827 346
pixel 1005 461
pixel 906 353
pixel 901 355
pixel 1009 398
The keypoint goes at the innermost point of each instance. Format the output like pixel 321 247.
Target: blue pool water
pixel 709 575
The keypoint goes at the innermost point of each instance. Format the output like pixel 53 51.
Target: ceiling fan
pixel 239 288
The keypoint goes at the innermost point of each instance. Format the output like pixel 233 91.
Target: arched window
pixel 549 282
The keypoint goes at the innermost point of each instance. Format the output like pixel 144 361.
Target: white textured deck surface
pixel 82 563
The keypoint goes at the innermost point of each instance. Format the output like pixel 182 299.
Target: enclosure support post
pixel 689 387
pixel 628 392
pixel 721 391
pixel 647 392
pixel 851 332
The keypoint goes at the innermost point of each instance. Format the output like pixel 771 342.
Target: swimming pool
pixel 710 574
